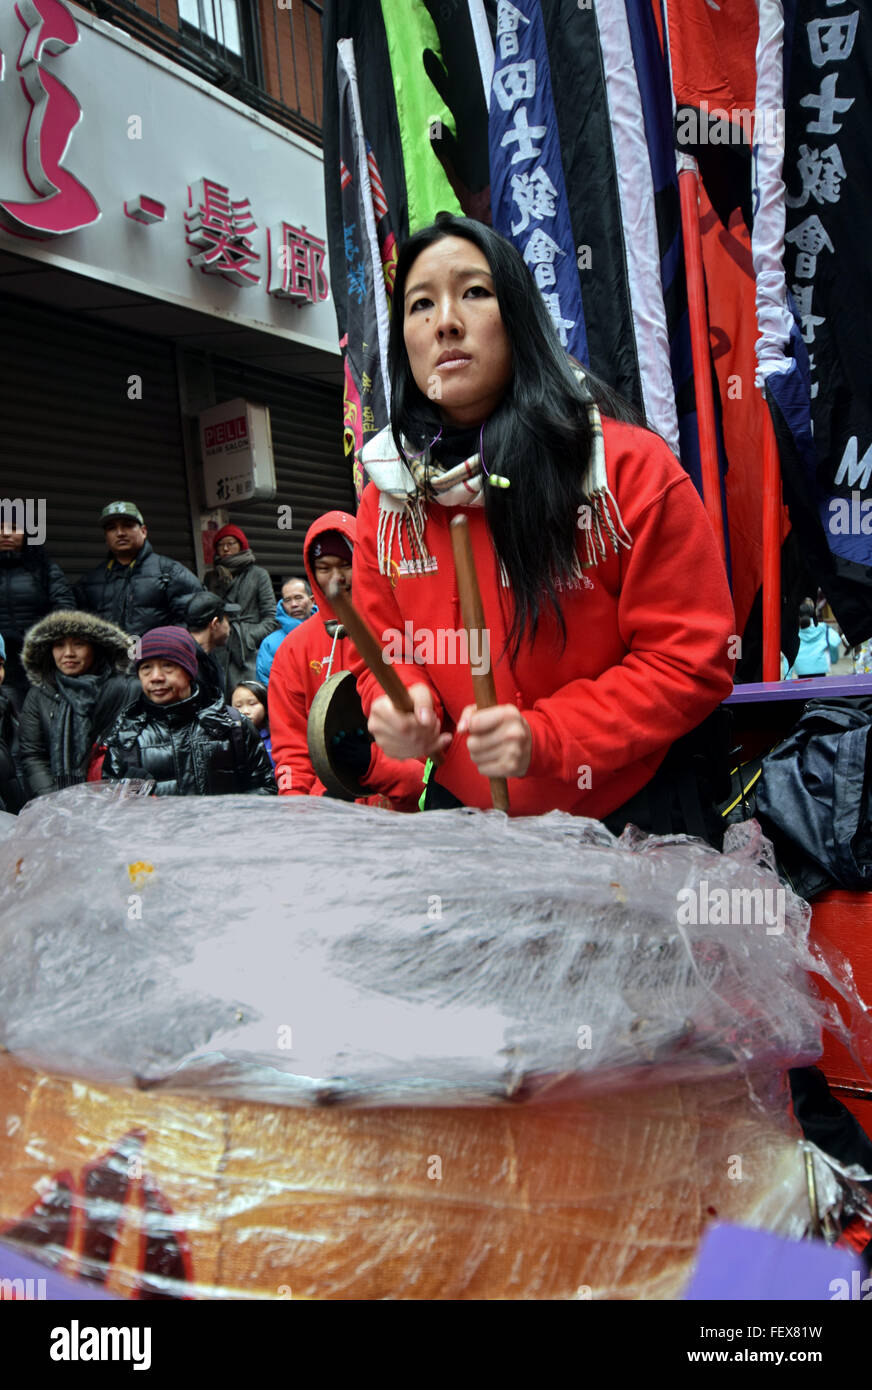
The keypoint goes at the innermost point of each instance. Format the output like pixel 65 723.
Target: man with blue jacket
pixel 295 605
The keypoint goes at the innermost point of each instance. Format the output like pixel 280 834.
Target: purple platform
pixel 38 1281
pixel 735 1262
pixel 815 688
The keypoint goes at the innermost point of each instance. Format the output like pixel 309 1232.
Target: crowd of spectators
pixel 139 670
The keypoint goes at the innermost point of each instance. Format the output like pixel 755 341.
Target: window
pixel 224 28
pixel 217 20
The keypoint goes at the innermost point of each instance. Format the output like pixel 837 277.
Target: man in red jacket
pixel 306 658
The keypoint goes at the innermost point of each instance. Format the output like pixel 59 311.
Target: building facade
pixel 162 253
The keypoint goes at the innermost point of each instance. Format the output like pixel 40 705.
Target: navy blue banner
pixel 528 191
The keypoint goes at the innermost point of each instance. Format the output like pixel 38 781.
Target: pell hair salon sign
pixel 237 453
pixel 118 165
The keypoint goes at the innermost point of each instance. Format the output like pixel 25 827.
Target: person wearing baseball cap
pixel 209 619
pixel 134 587
pixel 236 578
pixel 188 743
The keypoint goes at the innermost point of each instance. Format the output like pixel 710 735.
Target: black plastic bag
pixel 815 792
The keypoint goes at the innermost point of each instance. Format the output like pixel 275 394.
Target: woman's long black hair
pixel 539 436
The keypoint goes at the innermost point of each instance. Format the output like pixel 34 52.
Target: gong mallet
pixel 472 611
pixel 369 650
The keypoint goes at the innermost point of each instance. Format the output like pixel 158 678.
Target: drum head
pixel 336 713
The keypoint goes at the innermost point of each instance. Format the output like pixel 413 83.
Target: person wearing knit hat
pixel 332 544
pixel 236 578
pixel 160 649
pixel 230 540
pixel 185 740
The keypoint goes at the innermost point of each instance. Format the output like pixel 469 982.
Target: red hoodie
pixel 302 664
pixel 647 655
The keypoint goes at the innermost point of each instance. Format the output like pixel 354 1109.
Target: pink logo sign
pixel 221 229
pixel 63 204
pixel 296 264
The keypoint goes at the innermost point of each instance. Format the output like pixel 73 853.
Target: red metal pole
pixel 699 341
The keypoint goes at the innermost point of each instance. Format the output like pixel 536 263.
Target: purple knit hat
pixel 172 644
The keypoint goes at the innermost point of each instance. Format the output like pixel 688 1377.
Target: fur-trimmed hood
pixel 107 639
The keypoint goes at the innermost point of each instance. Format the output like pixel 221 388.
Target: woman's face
pixel 459 351
pixel 73 656
pixel 248 704
pixel 11 540
pixel 228 545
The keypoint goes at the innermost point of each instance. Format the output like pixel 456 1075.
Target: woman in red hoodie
pixel 607 604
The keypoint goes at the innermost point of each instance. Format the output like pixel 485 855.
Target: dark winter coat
pixel 153 591
pixel 45 703
pixel 252 589
pixel 190 748
pixel 31 585
pixel 212 674
pixel 13 793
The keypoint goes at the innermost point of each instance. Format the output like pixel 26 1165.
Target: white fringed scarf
pixel 407 485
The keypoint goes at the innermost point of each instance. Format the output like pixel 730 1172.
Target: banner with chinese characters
pixel 528 191
pixel 425 73
pixel 828 177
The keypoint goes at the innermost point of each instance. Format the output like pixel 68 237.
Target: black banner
pixel 828 178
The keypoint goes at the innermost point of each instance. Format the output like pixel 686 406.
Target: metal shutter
pixel 70 434
pixel 312 473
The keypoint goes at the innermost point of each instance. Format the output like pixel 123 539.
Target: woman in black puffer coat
pixel 31 585
pixel 12 790
pixel 76 664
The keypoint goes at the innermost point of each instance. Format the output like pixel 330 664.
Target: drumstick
pixel 472 609
pixel 368 648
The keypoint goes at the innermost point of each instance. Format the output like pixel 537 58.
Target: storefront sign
pixel 118 165
pixel 237 453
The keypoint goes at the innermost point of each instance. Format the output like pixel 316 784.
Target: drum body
pixel 157 1195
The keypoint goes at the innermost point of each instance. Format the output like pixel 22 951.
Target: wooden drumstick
pixel 370 650
pixel 472 610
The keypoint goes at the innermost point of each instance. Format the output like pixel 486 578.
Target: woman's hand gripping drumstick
pixel 403 721
pixel 499 739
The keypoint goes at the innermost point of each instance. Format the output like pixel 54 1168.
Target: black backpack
pixel 814 797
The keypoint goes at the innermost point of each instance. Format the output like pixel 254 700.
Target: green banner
pixel 410 31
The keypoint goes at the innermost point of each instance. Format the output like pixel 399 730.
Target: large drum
pixel 293 1047
pixel 159 1195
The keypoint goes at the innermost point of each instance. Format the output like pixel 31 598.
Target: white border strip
pixel 483 46
pixel 345 50
pixel 774 319
pixel 641 247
